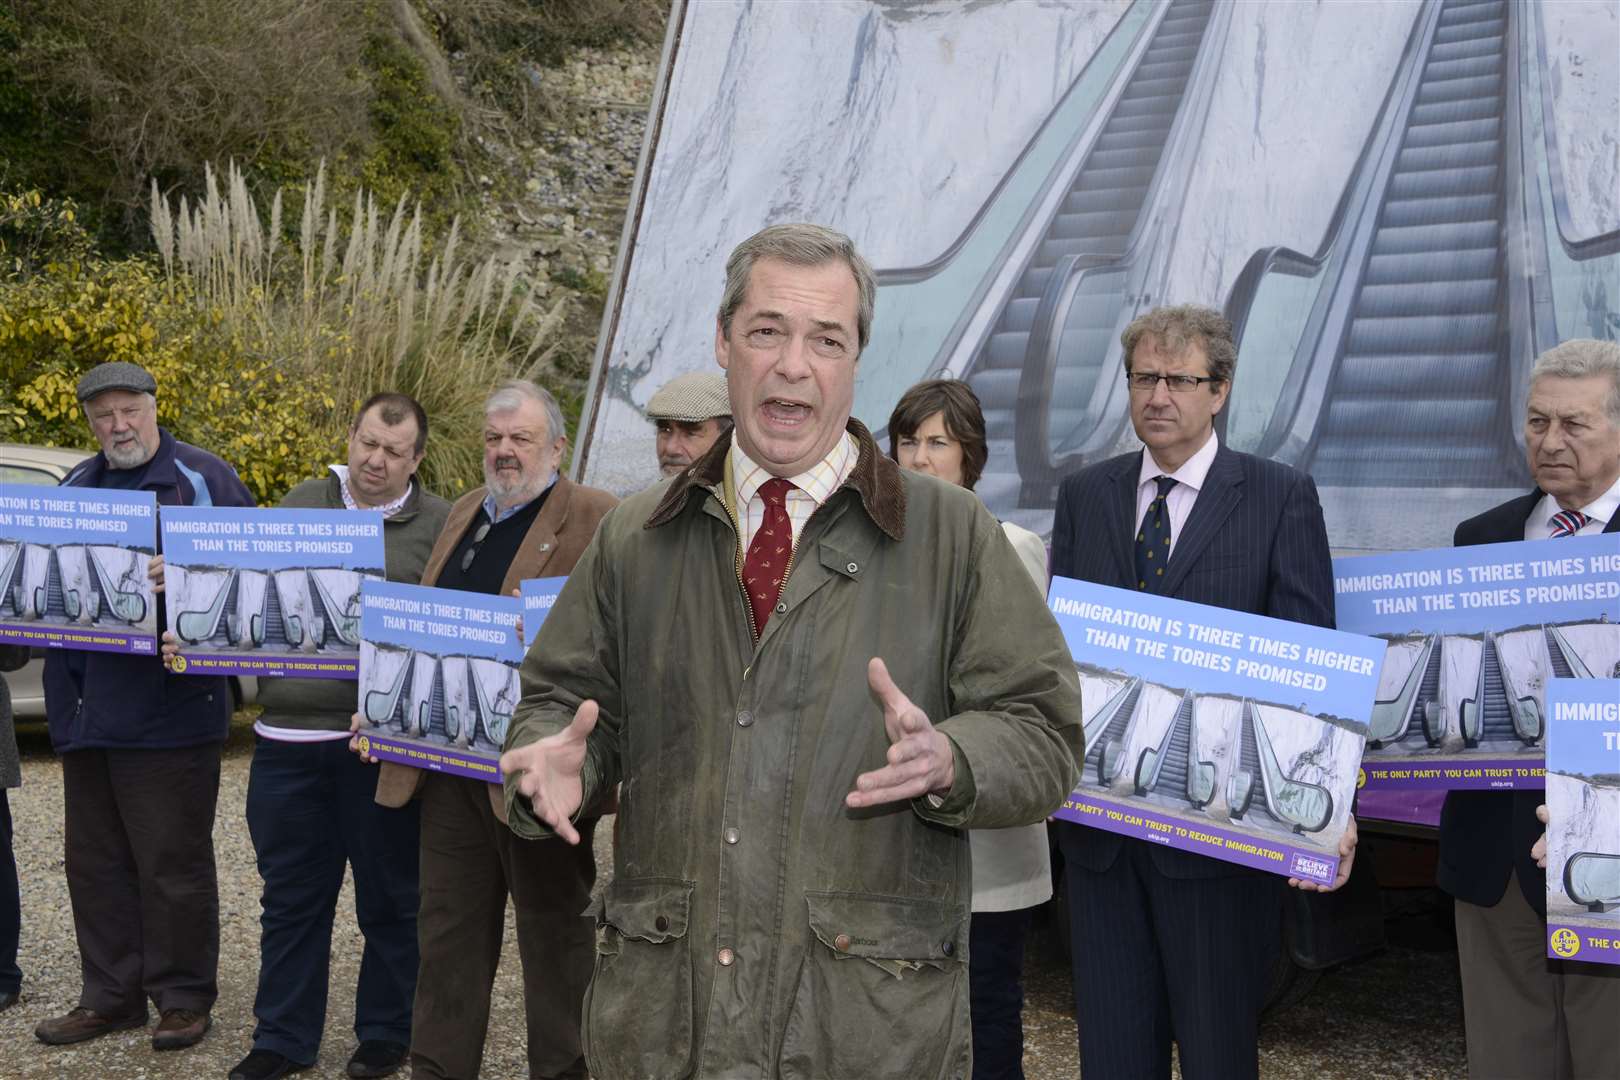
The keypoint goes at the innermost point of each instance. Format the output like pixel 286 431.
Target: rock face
pixel 1581 42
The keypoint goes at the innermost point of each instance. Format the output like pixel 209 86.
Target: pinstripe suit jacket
pixel 1255 542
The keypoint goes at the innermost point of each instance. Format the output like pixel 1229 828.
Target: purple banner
pixel 297 666
pixel 422 755
pixel 1572 941
pixel 1463 774
pixel 1244 848
pixel 42 636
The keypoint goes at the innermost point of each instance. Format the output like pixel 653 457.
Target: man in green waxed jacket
pixel 810 673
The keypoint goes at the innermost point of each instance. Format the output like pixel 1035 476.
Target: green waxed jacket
pixel 754 925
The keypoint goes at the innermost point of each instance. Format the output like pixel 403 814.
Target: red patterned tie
pixel 766 566
pixel 1568 523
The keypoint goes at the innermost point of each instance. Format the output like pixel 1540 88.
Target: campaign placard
pixel 73 564
pixel 539 594
pixel 1475 634
pixel 1217 732
pixel 1583 820
pixel 259 591
pixel 438 677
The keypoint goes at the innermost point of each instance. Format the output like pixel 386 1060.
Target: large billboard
pixel 1397 204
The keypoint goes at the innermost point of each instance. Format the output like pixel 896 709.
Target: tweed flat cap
pixel 695 396
pixel 116 375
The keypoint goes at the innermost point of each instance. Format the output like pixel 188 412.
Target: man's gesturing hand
pixel 548 772
pixel 920 758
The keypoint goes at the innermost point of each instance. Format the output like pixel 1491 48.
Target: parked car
pixel 47 465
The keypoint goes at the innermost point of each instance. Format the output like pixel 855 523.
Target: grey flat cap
pixel 695 396
pixel 116 375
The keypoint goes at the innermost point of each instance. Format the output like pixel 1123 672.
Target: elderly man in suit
pixel 1527 1015
pixel 1169 944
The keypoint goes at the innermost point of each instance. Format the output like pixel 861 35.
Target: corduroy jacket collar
pixel 875 479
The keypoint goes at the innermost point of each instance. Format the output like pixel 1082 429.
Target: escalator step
pixel 1441 264
pixel 1438 239
pixel 1182 53
pixel 1129 140
pixel 1019 314
pixel 1370 374
pixel 1477 86
pixel 1153 67
pixel 1089 202
pixel 1099 179
pixel 1465 50
pixel 1097 223
pixel 1463 67
pixel 1155 89
pixel 1160 106
pixel 1461 131
pixel 1456 156
pixel 1052 250
pixel 1154 123
pixel 1446 112
pixel 1007 349
pixel 1376 422
pixel 1399 213
pixel 1427 297
pixel 1125 158
pixel 1422 333
pixel 1469 31
pixel 1469 180
pixel 1470 14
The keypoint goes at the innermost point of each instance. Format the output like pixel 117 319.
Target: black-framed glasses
pixel 1178 384
pixel 472 548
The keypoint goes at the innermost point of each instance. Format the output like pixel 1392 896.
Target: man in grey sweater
pixel 311 803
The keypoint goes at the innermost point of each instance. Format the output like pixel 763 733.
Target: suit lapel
pixel 1120 506
pixel 1222 491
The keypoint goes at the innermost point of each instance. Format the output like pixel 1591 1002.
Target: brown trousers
pixel 471 862
pixel 1528 1016
pixel 139 854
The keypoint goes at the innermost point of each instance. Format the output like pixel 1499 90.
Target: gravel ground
pixel 1397 1015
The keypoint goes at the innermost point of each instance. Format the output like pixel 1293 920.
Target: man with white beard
pixel 527 521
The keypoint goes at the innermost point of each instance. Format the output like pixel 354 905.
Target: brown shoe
pixel 81 1024
pixel 179 1029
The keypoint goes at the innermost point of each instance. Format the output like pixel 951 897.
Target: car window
pixel 22 474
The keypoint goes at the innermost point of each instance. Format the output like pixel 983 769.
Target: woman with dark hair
pixel 938 428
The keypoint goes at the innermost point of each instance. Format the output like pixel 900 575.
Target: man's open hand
pixel 1347 859
pixel 920 758
pixel 548 772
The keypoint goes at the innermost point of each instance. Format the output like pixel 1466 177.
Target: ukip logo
pixel 1566 942
pixel 363 746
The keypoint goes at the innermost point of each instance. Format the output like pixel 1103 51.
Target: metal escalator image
pixel 1495 713
pixel 1592 879
pixel 1414 717
pixel 388 705
pixel 1105 732
pixel 211 618
pixel 1171 768
pixel 1566 662
pixel 1259 783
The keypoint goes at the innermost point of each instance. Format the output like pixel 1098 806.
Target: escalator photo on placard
pixel 1244 765
pixel 298 610
pixel 76 585
pixel 459 702
pixel 1398 206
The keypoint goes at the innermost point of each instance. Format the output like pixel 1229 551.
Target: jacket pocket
pixel 638 1009
pixel 881 992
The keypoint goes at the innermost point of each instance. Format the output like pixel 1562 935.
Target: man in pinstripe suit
pixel 1167 944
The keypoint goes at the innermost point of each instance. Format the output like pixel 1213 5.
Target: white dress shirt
pixel 1538 526
pixel 1189 479
pixel 811 488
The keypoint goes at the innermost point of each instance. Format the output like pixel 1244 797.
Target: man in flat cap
pixel 691 411
pixel 140 764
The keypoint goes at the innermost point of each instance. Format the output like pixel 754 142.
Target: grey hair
pixel 1181 326
pixel 799 245
pixel 512 393
pixel 1579 358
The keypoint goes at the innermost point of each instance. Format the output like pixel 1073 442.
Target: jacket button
pixel 947 948
pixel 781 607
pixel 745 718
pixel 732 836
pixel 661 924
pixel 726 957
pixel 841 943
pixel 853 568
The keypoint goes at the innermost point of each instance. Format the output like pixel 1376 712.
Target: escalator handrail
pixel 907 275
pixel 1277 259
pixel 1592 246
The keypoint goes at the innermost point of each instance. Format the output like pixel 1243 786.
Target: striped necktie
pixel 1153 538
pixel 1568 523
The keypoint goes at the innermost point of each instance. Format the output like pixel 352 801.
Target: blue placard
pixel 438 677
pixel 73 568
pixel 268 591
pixel 1476 635
pixel 1583 820
pixel 539 594
pixel 1218 732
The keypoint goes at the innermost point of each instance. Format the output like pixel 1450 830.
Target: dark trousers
pixel 311 809
pixel 471 862
pixel 139 853
pixel 1158 958
pixel 10 905
pixel 996 992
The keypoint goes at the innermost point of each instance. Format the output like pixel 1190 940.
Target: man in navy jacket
pixel 1168 944
pixel 140 753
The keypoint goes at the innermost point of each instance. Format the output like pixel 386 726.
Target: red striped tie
pixel 1568 523
pixel 766 566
